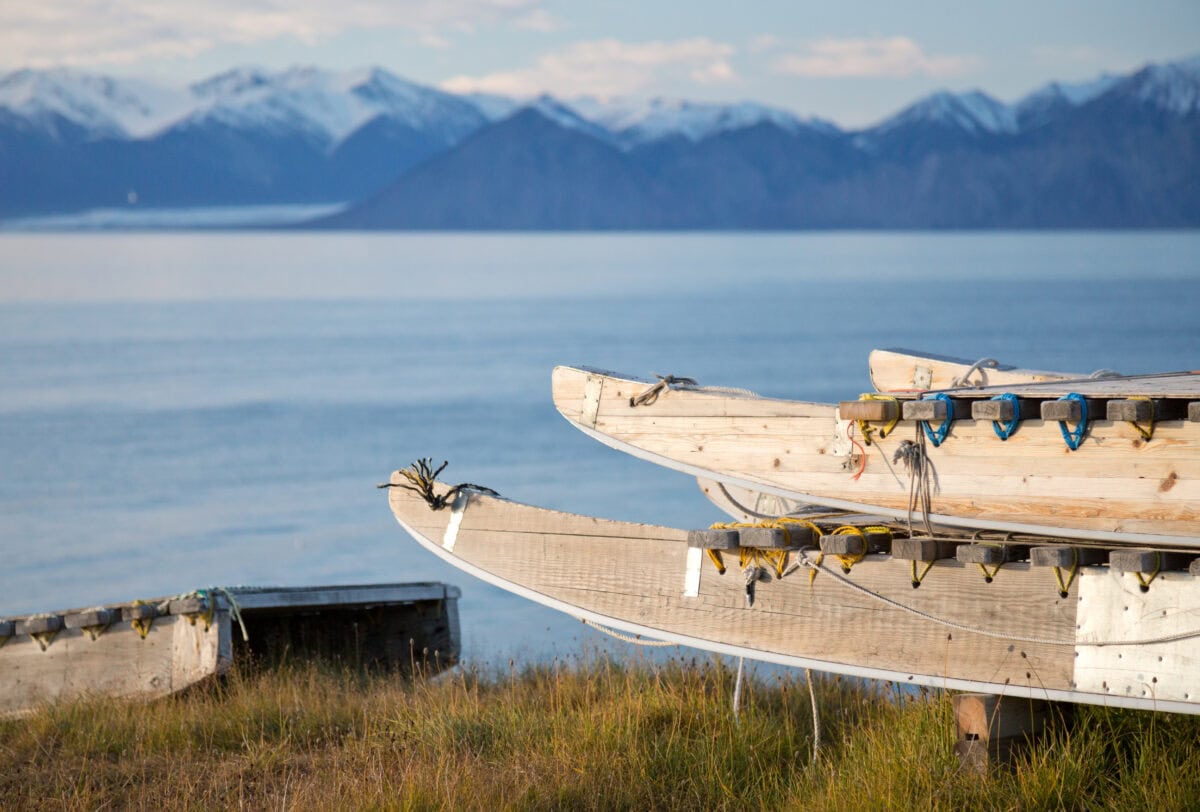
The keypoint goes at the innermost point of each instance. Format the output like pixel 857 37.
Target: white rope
pixel 812 695
pixel 637 641
pixel 804 560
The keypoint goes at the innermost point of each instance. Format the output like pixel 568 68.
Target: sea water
pixel 180 410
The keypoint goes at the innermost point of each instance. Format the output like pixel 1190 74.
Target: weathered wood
pixel 7 628
pixel 1131 411
pixel 992 730
pixel 1115 488
pixel 1146 561
pixel 1068 410
pixel 873 411
pixel 923 549
pixel 854 544
pixel 1066 556
pixel 595 568
pixel 1193 569
pixel 1193 411
pixel 929 410
pixel 768 538
pixel 714 539
pixel 191 605
pixel 90 618
pixel 1001 410
pixel 39 625
pixel 899 370
pixel 142 611
pixel 990 554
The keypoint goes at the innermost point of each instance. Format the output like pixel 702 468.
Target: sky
pixel 850 62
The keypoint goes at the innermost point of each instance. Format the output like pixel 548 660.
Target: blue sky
pixel 852 62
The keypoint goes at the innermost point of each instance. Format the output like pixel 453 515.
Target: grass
pixel 605 734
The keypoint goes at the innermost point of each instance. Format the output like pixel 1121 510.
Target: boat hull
pixel 1014 636
pixel 1115 488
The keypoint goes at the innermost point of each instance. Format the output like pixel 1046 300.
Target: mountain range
pixel 1120 151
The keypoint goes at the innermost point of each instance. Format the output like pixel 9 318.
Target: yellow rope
pixel 866 429
pixel 718 562
pixel 1146 431
pixel 142 627
pixel 917 579
pixel 1064 587
pixel 1145 582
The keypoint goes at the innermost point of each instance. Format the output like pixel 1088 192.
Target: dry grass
pixel 603 735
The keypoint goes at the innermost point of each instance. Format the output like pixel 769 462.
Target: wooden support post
pixel 714 539
pixel 873 411
pixel 933 410
pixel 1068 410
pixel 1001 410
pixel 774 538
pixel 854 544
pixel 993 730
pixel 1194 411
pixel 1065 556
pixel 1138 559
pixel 1193 569
pixel 7 628
pixel 1132 411
pixel 990 554
pixel 922 549
pixel 39 625
pixel 91 618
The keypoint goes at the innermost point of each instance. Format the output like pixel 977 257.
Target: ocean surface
pixel 180 410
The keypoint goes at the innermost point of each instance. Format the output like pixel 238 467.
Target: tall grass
pixel 606 734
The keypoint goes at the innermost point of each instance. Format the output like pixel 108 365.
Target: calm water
pixel 182 410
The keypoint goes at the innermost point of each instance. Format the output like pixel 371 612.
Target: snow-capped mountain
pixel 636 122
pixel 97 105
pixel 71 140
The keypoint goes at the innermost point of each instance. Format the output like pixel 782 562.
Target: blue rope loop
pixel 1005 428
pixel 1074 437
pixel 936 436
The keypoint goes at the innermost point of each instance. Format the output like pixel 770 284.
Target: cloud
pixel 87 32
pixel 608 67
pixel 886 57
pixel 539 20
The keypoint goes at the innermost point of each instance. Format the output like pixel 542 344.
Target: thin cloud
pixel 608 67
pixel 886 57
pixel 84 32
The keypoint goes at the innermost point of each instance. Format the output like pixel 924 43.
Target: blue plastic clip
pixel 937 436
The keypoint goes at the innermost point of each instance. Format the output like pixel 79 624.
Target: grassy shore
pixel 602 735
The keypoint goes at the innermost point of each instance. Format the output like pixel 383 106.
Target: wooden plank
pixel 772 538
pixel 1068 410
pixel 1194 567
pixel 908 370
pixel 1001 410
pixel 349 595
pixel 1193 411
pixel 173 655
pixel 791 617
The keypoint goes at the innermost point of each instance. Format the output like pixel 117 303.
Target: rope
pixel 1005 429
pixel 937 436
pixel 637 641
pixel 866 429
pixel 1016 638
pixel 917 579
pixel 1074 437
pixel 812 695
pixel 849 560
pixel 810 510
pixel 920 488
pixel 737 690
pixel 1065 587
pixel 965 378
pixel 422 478
pixel 1144 583
pixel 1147 431
pixel 715 557
pixel 665 382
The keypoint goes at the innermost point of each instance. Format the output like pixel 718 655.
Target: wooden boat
pixel 1094 637
pixel 1134 478
pixel 149 649
pixel 898 370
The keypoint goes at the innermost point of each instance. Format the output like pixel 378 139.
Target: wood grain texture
pixel 1115 483
pixel 907 371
